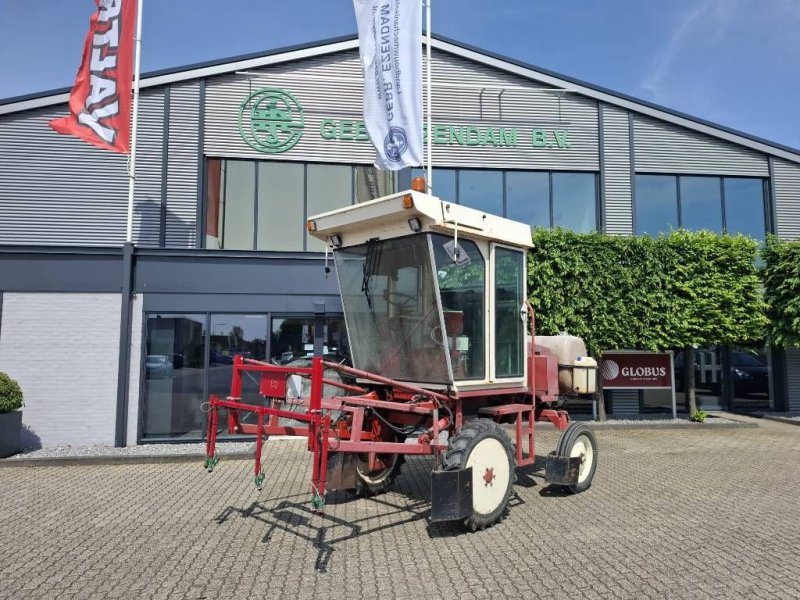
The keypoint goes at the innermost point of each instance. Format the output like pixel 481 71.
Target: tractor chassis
pixel 367 424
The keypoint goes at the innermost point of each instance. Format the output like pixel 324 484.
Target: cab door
pixel 508 297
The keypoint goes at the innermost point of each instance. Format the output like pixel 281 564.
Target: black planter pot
pixel 10 433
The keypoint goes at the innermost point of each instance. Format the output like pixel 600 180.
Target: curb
pixel 88 461
pixel 785 420
pixel 156 459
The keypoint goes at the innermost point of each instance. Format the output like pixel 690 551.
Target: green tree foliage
pixel 782 290
pixel 10 394
pixel 677 290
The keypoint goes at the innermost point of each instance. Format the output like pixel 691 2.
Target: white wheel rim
pixel 489 461
pixel 583 448
pixel 379 475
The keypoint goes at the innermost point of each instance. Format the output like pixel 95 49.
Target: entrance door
pixel 509 328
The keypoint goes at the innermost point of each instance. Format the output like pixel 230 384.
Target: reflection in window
pixel 232 335
pixel 461 287
pixel 720 204
pixel 328 187
pixel 701 203
pixel 574 205
pixel 280 206
pixel 744 206
pixel 481 190
pixel 264 205
pixel 656 205
pixel 528 197
pixel 174 376
pixel 293 339
pixel 509 327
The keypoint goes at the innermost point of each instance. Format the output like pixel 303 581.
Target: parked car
pixel 158 366
pixel 749 373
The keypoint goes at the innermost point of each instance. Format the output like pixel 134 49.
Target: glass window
pixel 174 376
pixel 481 190
pixel 238 205
pixel 392 311
pixel 750 377
pixel 462 288
pixel 231 335
pixel 744 206
pixel 701 203
pixel 373 183
pixel 656 204
pixel 574 201
pixel 444 182
pixel 528 197
pixel 293 338
pixel 328 187
pixel 509 327
pixel 280 206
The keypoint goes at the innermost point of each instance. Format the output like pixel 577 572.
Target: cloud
pixel 713 16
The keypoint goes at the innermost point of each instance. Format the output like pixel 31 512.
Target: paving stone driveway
pixel 672 514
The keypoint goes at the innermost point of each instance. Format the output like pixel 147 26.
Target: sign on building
pixel 633 370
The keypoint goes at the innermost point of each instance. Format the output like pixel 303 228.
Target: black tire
pixel 572 435
pixel 461 447
pixel 377 482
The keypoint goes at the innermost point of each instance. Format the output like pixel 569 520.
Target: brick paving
pixel 672 514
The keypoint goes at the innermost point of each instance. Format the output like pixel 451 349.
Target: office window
pixel 538 198
pixel 574 201
pixel 280 206
pixel 745 206
pixel 656 204
pixel 720 204
pixel 701 203
pixel 528 197
pixel 481 190
pixel 263 205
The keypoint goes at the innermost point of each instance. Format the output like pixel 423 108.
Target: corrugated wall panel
pixel 183 165
pixel 786 179
pixel 57 189
pixel 522 106
pixel 617 171
pixel 793 379
pixel 661 147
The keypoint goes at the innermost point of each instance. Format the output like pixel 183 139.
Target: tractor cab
pixel 433 292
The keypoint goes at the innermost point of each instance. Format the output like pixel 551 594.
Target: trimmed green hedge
pixel 10 394
pixel 782 290
pixel 677 290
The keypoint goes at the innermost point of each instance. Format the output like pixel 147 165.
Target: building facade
pixel 119 344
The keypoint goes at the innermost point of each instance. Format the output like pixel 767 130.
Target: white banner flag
pixel 390 41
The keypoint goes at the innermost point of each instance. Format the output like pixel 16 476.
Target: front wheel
pixel 484 445
pixel 578 440
pixel 371 483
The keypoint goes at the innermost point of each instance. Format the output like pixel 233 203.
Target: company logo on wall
pixel 610 369
pixel 271 120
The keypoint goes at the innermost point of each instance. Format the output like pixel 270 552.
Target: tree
pixel 781 277
pixel 682 290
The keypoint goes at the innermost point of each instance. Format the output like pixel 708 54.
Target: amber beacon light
pixel 418 184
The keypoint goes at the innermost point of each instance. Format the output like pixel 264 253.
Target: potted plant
pixel 10 416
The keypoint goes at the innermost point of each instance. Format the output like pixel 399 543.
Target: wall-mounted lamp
pixel 335 240
pixel 415 224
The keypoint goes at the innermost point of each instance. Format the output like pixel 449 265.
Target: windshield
pixel 391 309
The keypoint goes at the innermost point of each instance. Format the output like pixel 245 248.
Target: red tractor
pixel 435 303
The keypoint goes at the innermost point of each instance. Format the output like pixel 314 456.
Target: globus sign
pixel 636 370
pixel 272 121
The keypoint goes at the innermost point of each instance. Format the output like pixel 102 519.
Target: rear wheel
pixel 484 445
pixel 371 483
pixel 578 440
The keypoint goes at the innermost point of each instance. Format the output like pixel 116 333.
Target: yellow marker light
pixel 311 225
pixel 408 201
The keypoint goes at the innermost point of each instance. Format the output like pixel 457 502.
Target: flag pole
pixel 430 103
pixel 132 156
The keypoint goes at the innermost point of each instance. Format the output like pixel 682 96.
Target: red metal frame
pixel 358 430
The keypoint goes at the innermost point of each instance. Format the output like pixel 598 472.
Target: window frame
pixel 765 199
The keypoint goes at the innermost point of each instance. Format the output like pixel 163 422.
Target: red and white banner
pixel 100 100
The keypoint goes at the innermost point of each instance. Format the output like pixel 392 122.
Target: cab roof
pixel 391 217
